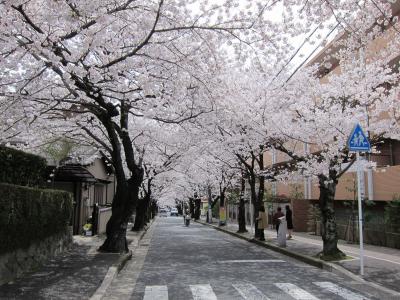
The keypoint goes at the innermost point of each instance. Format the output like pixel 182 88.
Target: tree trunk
pixel 148 212
pixel 180 208
pixel 241 214
pixel 124 203
pixel 209 208
pixel 153 208
pixel 197 204
pixel 327 189
pixel 222 205
pixel 191 206
pixel 260 199
pixel 141 218
pixel 254 202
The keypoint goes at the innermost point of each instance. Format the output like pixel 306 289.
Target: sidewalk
pixel 381 264
pixel 75 274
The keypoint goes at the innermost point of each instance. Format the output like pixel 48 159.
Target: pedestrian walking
pixel 275 218
pixel 262 222
pixel 289 221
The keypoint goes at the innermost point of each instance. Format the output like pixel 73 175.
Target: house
pixel 90 178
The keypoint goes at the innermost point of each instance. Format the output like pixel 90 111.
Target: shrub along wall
pixel 29 215
pixel 21 168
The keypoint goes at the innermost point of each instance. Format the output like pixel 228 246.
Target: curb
pixel 116 268
pixel 127 256
pixel 330 267
pixel 122 260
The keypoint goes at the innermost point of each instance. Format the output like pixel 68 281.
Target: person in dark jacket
pixel 289 221
pixel 275 218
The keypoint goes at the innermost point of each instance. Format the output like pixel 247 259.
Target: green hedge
pixel 31 214
pixel 21 168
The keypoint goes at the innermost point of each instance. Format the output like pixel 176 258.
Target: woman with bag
pixel 262 222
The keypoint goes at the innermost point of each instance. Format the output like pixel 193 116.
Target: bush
pixel 31 214
pixel 18 167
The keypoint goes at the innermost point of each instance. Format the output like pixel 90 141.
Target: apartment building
pixel 380 184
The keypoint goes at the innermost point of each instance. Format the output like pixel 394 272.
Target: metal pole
pixel 360 215
pixel 209 205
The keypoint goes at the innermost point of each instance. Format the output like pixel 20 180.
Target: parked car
pixel 174 211
pixel 163 212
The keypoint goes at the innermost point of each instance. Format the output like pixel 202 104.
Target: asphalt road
pixel 198 262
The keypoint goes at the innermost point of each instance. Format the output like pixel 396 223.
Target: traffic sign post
pixel 359 142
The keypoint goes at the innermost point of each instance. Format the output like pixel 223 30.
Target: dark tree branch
pixel 141 45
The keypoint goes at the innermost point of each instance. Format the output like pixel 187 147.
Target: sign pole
pixel 357 142
pixel 360 214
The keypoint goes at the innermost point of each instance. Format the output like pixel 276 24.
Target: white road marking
pixel 342 292
pixel 251 261
pixel 295 291
pixel 249 292
pixel 159 292
pixel 202 292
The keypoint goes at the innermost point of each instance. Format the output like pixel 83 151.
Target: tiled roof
pixel 71 173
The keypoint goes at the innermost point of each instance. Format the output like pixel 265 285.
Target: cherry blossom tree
pixel 102 69
pixel 111 62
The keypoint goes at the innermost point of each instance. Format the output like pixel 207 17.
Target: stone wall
pixel 14 264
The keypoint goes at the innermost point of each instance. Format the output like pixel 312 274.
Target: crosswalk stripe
pixel 295 291
pixel 249 292
pixel 342 292
pixel 159 292
pixel 202 292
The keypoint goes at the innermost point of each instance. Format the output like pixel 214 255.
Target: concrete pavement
pixel 382 265
pixel 79 273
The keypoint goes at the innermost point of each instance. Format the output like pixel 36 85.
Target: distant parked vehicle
pixel 163 212
pixel 174 212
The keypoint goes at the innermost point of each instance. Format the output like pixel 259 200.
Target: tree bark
pixel 140 218
pixel 241 208
pixel 250 170
pixel 260 198
pixel 197 204
pixel 329 234
pixel 254 202
pixel 222 204
pixel 122 208
pixel 126 197
pixel 153 208
pixel 191 206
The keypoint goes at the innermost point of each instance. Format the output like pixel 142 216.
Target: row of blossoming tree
pixel 182 94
